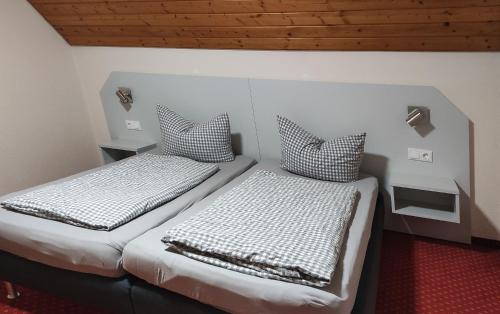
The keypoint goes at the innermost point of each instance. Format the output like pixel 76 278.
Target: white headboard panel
pixel 326 109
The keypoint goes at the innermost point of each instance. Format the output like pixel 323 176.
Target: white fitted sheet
pixel 235 292
pixel 91 251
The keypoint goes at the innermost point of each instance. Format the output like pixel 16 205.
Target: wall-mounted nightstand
pixel 117 149
pixel 425 197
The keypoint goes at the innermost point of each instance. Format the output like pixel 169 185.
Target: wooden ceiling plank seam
pixel 362 4
pixel 277 19
pixel 343 31
pixel 399 44
pixel 253 6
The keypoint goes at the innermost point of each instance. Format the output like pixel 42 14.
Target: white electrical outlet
pixel 420 154
pixel 426 155
pixel 133 125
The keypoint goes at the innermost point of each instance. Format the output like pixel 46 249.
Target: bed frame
pixel 130 295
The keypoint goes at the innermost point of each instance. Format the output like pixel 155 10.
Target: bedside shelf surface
pixel 425 210
pixel 426 183
pixel 128 145
pixel 118 149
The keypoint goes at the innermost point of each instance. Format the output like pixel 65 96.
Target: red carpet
pixel 421 275
pixel 418 275
pixel 34 302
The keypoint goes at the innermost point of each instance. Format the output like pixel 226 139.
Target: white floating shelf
pixel 128 145
pixel 425 197
pixel 117 149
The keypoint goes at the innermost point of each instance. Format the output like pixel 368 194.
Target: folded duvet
pixel 271 226
pixel 110 197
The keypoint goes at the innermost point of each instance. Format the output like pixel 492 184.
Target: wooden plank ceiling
pixel 384 25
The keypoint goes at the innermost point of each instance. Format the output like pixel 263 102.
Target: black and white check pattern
pixel 308 155
pixel 207 142
pixel 271 226
pixel 110 197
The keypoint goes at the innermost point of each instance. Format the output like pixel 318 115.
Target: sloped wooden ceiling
pixel 397 25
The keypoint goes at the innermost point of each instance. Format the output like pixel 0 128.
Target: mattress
pixel 91 251
pixel 231 291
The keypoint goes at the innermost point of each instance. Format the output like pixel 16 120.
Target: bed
pixel 216 289
pixel 98 252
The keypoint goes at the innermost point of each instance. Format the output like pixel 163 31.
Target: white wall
pixel 44 125
pixel 470 80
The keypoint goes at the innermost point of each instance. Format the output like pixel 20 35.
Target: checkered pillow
pixel 206 142
pixel 310 156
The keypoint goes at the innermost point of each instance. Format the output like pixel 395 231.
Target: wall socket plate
pixel 418 154
pixel 133 125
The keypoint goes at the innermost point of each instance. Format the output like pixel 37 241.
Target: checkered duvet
pixel 110 197
pixel 271 226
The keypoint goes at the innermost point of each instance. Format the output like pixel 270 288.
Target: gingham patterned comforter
pixel 110 197
pixel 271 226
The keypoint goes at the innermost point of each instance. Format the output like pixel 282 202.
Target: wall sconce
pixel 125 95
pixel 417 116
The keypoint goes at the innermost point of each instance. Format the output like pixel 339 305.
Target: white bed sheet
pixel 235 292
pixel 91 251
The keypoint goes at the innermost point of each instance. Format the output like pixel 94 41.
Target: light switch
pixel 420 154
pixel 133 125
pixel 413 154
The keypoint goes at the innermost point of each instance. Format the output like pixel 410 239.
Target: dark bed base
pixel 129 295
pixel 111 294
